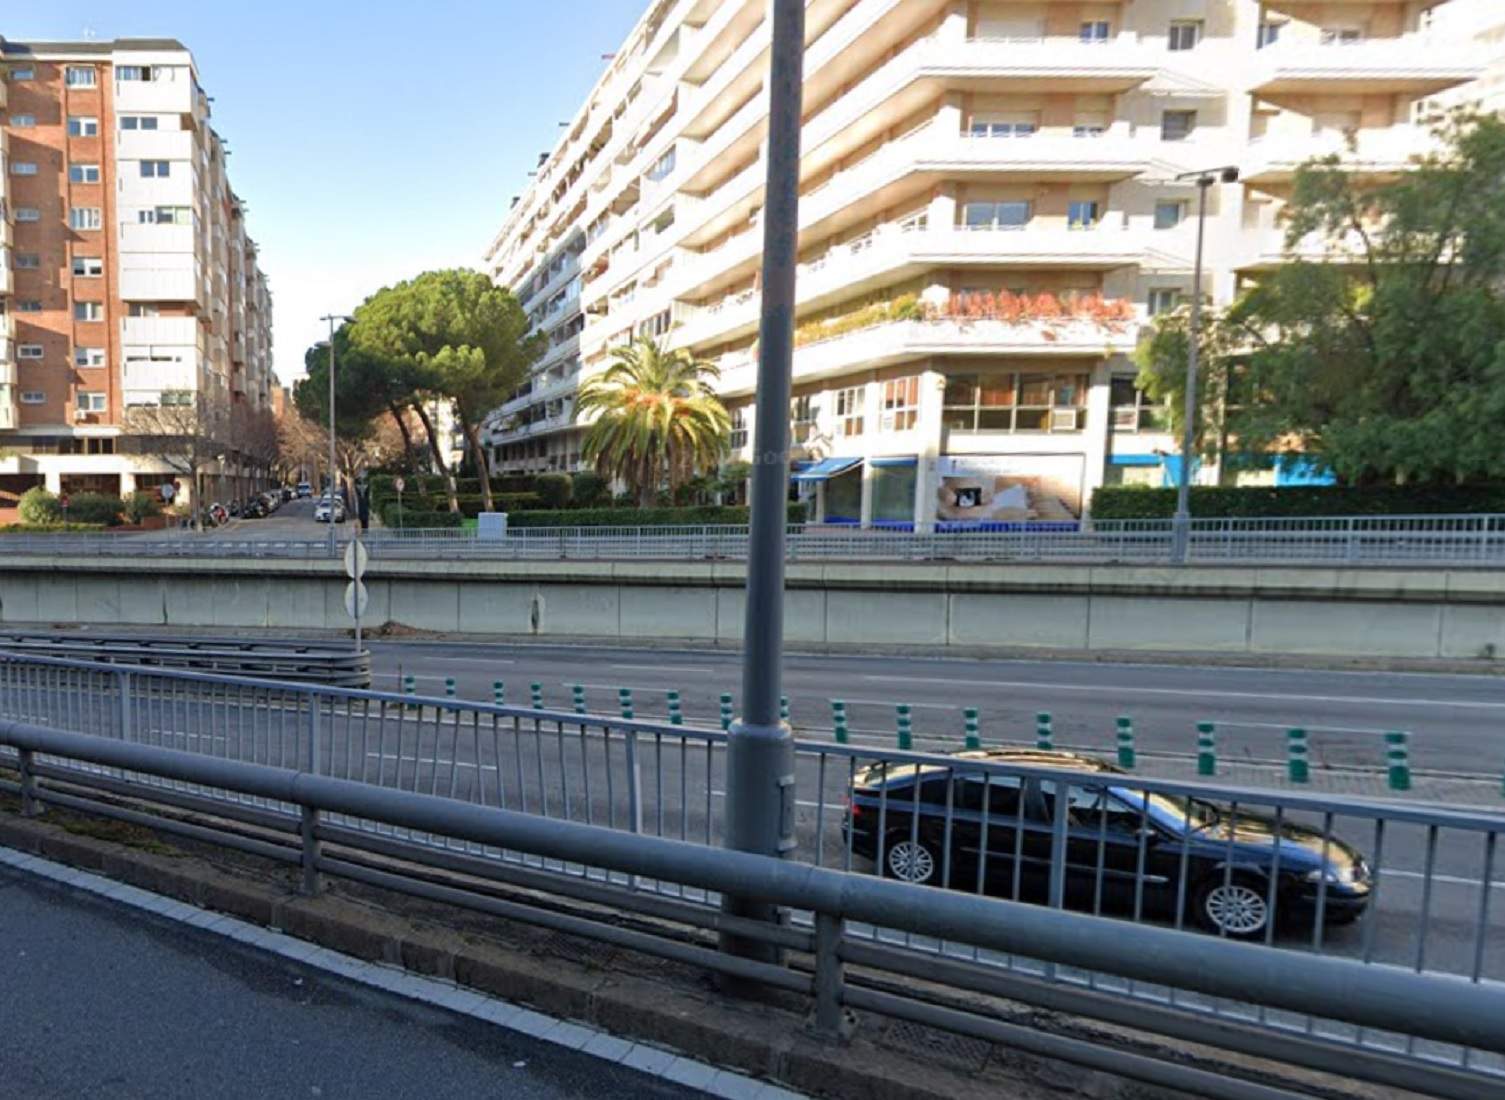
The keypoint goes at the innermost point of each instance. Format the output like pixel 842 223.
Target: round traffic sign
pixel 355 560
pixel 399 484
pixel 355 599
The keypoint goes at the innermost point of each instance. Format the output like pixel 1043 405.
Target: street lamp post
pixel 760 749
pixel 1181 522
pixel 331 318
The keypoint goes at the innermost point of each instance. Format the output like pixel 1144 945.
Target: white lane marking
pixel 1211 693
pixel 468 661
pixel 666 668
pixel 891 702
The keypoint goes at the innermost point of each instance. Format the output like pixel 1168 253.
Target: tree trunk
pixel 483 465
pixel 438 456
pixel 407 436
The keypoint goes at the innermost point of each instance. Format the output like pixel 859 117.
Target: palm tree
pixel 658 422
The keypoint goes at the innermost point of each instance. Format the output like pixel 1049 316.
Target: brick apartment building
pixel 127 278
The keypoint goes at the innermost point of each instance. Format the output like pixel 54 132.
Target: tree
pixel 1387 357
pixel 658 422
pixel 187 432
pixel 1161 359
pixel 455 334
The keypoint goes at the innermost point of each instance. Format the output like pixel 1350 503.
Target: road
pixel 104 1000
pixel 1457 722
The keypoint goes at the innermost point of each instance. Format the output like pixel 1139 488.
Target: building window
pixel 1341 36
pixel 1004 128
pixel 28 261
pixel 662 223
pixel 1269 34
pixel 803 412
pixel 85 217
pixel 165 215
pixel 849 410
pixel 28 214
pixel 177 397
pixel 28 305
pixel 1177 125
pixel 1163 299
pixel 901 404
pixel 1185 34
pixel 88 267
pixel 1094 31
pixel 23 168
pixel 88 311
pixel 138 122
pixel 997 215
pixel 88 357
pixel 1133 410
pixel 23 122
pixel 83 126
pixel 663 166
pixel 94 401
pixel 83 173
pixel 1090 126
pixel 23 72
pixel 140 72
pixel 143 309
pixel 1169 213
pixel 1083 213
pixel 33 397
pixel 155 169
pixel 79 76
pixel 1012 402
pixel 28 351
pixel 738 438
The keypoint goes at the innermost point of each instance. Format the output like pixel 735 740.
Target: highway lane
pixel 1457 721
pixel 105 1000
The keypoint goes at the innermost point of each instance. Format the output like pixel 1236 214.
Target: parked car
pixel 323 510
pixel 305 490
pixel 271 500
pixel 1228 859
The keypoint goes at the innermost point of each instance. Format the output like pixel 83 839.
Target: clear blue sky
pixel 371 139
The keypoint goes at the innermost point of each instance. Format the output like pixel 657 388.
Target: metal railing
pixel 283 659
pixel 1142 852
pixel 1465 540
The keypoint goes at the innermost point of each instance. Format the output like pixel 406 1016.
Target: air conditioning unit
pixel 81 415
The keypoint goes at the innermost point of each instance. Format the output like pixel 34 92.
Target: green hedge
pixel 392 516
pixel 1209 502
pixel 641 517
pixel 49 528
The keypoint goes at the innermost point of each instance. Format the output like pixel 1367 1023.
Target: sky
pixel 370 139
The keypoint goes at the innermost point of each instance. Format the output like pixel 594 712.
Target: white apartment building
pixel 127 279
pixel 989 215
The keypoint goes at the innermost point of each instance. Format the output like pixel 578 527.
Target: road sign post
pixel 355 592
pixel 399 485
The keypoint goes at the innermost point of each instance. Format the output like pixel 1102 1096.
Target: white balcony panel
pixel 7 362
pixel 1274 159
pixel 159 285
pixel 137 190
pixel 1414 64
pixel 153 145
pixel 182 331
pixel 156 239
pixel 5 276
pixel 172 97
pixel 156 377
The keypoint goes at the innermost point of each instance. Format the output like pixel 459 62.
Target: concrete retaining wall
pixel 1454 614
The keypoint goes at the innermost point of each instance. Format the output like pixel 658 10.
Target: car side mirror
pixel 1150 836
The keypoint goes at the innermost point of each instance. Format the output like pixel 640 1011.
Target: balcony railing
pixel 1274 158
pixel 1417 64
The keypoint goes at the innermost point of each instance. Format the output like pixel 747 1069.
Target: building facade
pixel 990 214
pixel 128 281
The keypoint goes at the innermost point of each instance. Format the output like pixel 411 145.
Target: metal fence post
pixel 634 782
pixel 26 764
pixel 830 977
pixel 123 704
pixel 313 880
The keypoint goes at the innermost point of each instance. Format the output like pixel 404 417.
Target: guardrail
pixel 1149 852
pixel 287 660
pixel 1465 540
pixel 844 968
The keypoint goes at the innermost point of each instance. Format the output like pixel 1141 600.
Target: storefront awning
pixel 891 461
pixel 1134 460
pixel 827 468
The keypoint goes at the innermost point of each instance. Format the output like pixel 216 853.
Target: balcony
pixel 166 97
pixel 6 285
pixel 893 252
pixel 1275 158
pixel 154 145
pixel 179 331
pixel 1266 251
pixel 139 238
pixel 1412 64
pixel 159 285
pixel 901 341
pixel 9 414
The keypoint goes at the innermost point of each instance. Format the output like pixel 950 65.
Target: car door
pixel 988 817
pixel 1113 856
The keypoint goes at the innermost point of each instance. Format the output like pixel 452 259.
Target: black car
pixel 1116 836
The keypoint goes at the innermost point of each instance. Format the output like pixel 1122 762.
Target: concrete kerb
pixel 765 1038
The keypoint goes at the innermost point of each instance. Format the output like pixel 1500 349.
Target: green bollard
pixel 1297 768
pixel 1125 742
pixel 578 694
pixel 624 700
pixel 535 694
pixel 906 730
pixel 784 709
pixel 410 686
pixel 1044 738
pixel 675 717
pixel 839 721
pixel 1207 749
pixel 726 711
pixel 449 686
pixel 1398 759
pixel 969 723
pixel 499 693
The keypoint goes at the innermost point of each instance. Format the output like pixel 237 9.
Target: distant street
pixel 122 1004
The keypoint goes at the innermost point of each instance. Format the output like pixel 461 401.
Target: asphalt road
pixel 1457 722
pixel 107 1001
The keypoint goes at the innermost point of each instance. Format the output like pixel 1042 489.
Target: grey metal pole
pixel 1181 523
pixel 330 318
pixel 760 749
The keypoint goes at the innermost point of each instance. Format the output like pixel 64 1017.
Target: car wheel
pixel 911 861
pixel 1238 907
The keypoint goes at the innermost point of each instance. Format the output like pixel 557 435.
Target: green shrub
pixel 49 528
pixel 589 490
pixel 554 490
pixel 38 507
pixel 705 515
pixel 1211 502
pixel 406 517
pixel 95 508
pixel 141 505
